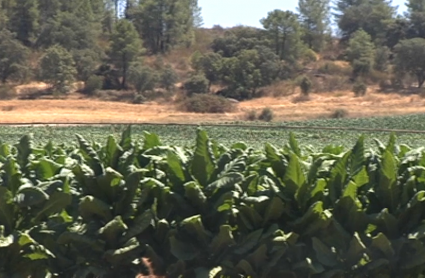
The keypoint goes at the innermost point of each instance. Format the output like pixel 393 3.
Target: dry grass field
pixel 77 108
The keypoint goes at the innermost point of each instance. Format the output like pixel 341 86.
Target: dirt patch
pixel 84 110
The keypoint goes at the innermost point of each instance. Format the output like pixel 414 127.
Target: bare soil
pixel 77 108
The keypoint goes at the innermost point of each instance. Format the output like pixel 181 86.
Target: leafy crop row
pixel 117 209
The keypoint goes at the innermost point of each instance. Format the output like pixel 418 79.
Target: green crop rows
pixel 253 137
pixel 128 207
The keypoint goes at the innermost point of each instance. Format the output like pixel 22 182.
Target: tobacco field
pixel 132 205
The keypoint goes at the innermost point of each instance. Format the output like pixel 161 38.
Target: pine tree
pixel 126 46
pixel 285 32
pixel 24 21
pixel 314 16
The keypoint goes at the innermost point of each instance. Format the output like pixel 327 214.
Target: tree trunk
pixel 124 72
pixel 421 79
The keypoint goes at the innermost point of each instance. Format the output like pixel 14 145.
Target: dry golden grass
pixel 79 109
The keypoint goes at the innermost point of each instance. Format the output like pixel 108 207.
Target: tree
pixel 196 84
pixel 410 58
pixel 361 53
pixel 373 16
pixel 24 21
pixel 57 68
pixel 168 77
pixel 284 31
pixel 314 16
pixel 126 46
pixel 416 16
pixel 164 24
pixel 142 77
pixel 211 64
pixel 13 57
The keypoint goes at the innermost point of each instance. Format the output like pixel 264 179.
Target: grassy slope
pixel 254 137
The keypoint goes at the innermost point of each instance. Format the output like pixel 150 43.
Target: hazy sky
pixel 228 13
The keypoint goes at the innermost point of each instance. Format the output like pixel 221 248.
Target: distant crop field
pixel 274 133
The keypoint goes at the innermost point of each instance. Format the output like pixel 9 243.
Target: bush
pixel 138 98
pixel 143 78
pixel 206 103
pixel 339 113
pixel 196 84
pixel 359 88
pixel 305 85
pixel 93 84
pixel 266 115
pixel 251 115
pixel 332 68
pixel 167 78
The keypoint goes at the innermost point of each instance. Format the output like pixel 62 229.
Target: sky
pixel 229 13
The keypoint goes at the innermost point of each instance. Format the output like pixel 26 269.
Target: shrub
pixel 251 115
pixel 359 88
pixel 266 115
pixel 138 98
pixel 93 84
pixel 332 68
pixel 167 78
pixel 206 103
pixel 305 85
pixel 339 113
pixel 196 84
pixel 143 78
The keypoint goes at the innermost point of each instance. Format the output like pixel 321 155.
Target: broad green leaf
pixel 24 148
pixel 194 194
pixel 194 226
pixel 274 210
pixel 350 190
pixel 139 225
pixel 324 254
pixel 113 151
pixel 57 202
pixel 113 230
pixel 308 266
pixel 91 206
pixel 246 268
pixel 356 250
pixel 418 233
pixel 357 158
pixel 229 179
pixel 90 155
pixel 315 219
pixel 293 143
pixel 223 240
pixel 203 163
pixel 29 196
pixel 176 170
pixel 126 142
pixel 276 161
pixel 122 255
pixel 381 243
pixel 249 242
pixel 151 140
pixel 258 257
pixel 7 215
pixel 46 168
pixel 338 178
pixel 184 251
pixel 294 176
pixel 387 189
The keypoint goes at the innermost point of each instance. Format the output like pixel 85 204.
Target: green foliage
pixel 284 31
pixel 266 115
pixel 13 57
pixel 361 53
pixel 196 84
pixel 359 88
pixel 372 16
pixel 94 209
pixel 93 84
pixel 409 58
pixel 305 85
pixel 142 77
pixel 165 24
pixel 207 103
pixel 168 78
pixel 57 67
pixel 314 17
pixel 24 21
pixel 339 113
pixel 126 46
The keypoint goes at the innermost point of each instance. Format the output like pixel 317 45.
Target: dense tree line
pixel 61 41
